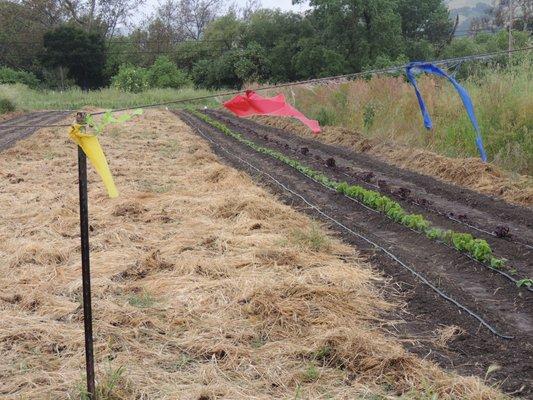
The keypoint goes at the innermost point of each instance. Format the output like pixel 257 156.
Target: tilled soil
pixel 18 128
pixel 489 295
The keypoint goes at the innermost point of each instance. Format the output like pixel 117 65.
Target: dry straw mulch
pixel 7 116
pixel 468 172
pixel 204 285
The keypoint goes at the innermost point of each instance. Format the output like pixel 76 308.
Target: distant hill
pixel 467 10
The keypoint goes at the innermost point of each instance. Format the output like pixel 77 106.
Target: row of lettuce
pixel 479 249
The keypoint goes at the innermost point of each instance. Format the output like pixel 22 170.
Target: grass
pixel 312 238
pixel 142 300
pixel 6 106
pixel 386 108
pixel 311 373
pixel 26 99
pixel 111 386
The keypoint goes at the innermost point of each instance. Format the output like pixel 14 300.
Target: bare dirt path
pixel 489 295
pixel 23 126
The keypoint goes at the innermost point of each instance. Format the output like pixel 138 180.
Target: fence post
pixel 85 264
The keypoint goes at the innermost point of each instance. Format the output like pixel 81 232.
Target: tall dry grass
pixel 386 108
pixel 204 285
pixel 468 172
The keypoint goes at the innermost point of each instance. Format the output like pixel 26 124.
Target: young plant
pixel 108 118
pixel 527 282
pixel 479 249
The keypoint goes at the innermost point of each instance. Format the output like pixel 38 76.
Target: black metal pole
pixel 86 274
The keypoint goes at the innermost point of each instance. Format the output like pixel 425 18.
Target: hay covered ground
pixel 205 286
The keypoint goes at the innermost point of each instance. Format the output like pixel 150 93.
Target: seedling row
pixel 479 249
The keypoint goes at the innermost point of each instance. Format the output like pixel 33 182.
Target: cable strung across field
pixel 449 61
pixel 398 68
pixel 416 274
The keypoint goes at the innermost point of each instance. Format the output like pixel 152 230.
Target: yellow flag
pixel 91 147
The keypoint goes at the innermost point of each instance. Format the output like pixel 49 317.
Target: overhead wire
pixel 449 61
pixel 326 79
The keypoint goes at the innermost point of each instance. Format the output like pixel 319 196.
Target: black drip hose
pixel 351 231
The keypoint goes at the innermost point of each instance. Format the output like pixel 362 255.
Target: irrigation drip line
pixel 326 79
pixel 369 241
pixel 503 273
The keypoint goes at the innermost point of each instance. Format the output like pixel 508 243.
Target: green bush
pixel 11 76
pixel 131 79
pixel 326 116
pixel 165 74
pixel 6 106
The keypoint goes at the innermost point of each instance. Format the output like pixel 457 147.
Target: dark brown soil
pixel 9 135
pixel 495 299
pixel 507 228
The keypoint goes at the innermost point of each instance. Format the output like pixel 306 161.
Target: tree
pixel 20 36
pixel 503 11
pixel 100 15
pixel 428 19
pixel 225 32
pixel 253 64
pixel 281 34
pixel 426 25
pixel 47 13
pixel 358 30
pixel 315 60
pixel 250 8
pixel 188 19
pixel 165 74
pixel 80 52
pixel 233 69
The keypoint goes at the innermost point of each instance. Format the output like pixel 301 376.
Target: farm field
pixel 470 172
pixel 206 286
pixel 263 200
pixel 305 172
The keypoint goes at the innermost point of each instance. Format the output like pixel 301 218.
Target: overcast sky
pixel 283 4
pixel 151 5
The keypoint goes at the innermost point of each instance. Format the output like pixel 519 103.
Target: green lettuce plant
pixel 479 249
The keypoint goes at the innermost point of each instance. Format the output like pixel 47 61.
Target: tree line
pixel 94 43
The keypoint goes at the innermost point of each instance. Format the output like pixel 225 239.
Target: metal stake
pixel 85 267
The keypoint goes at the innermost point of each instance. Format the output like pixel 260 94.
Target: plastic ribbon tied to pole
pixel 253 104
pixel 92 149
pixel 465 97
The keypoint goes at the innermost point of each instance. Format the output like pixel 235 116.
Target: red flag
pixel 252 104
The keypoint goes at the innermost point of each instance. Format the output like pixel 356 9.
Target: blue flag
pixel 465 97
